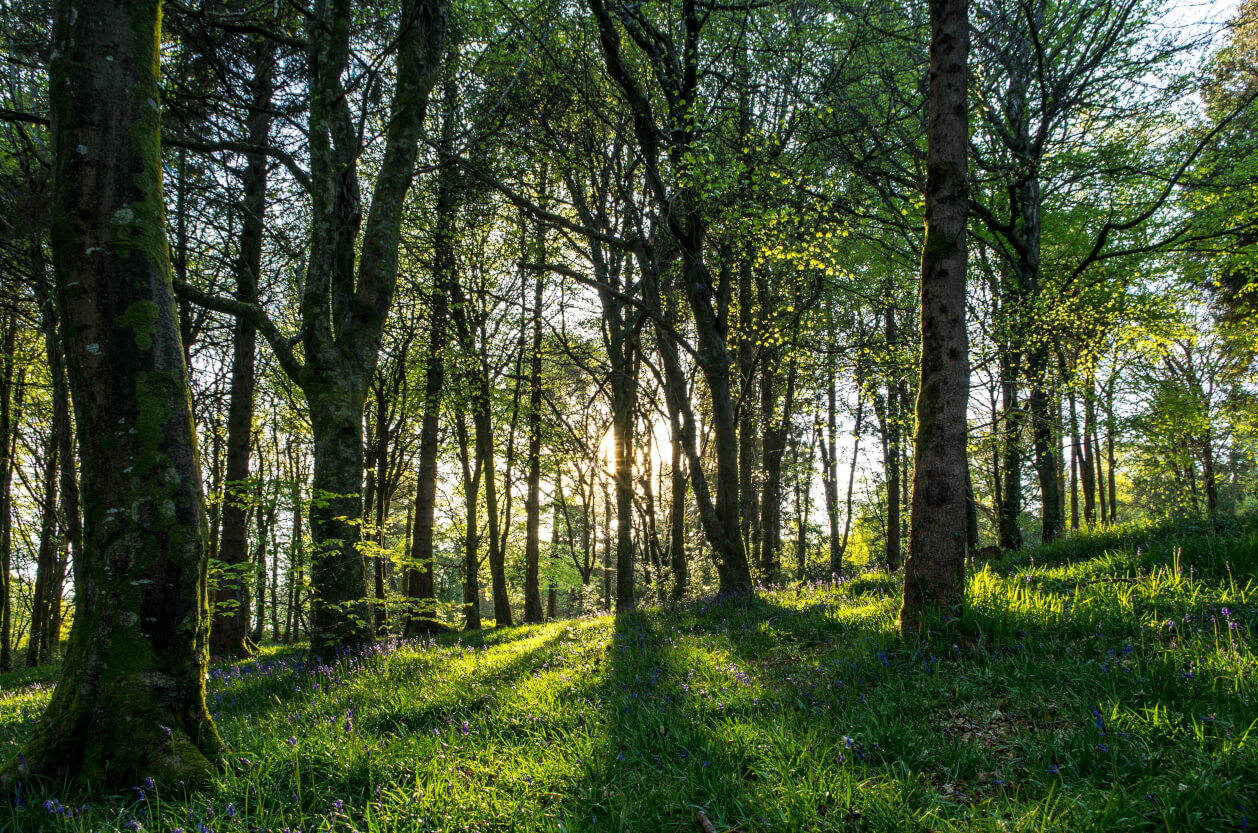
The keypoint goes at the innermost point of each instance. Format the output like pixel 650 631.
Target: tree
pixel 935 566
pixel 348 290
pixel 130 702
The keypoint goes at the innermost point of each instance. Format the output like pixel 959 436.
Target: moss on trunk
pixel 130 702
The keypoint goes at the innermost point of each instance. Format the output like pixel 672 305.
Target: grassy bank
pixel 1108 683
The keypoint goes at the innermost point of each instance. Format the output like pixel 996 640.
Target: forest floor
pixel 1106 683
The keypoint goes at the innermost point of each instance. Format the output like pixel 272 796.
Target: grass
pixel 1107 683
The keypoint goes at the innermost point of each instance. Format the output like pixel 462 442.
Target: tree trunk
pixel 1074 463
pixel 851 485
pixel 776 429
pixel 227 635
pixel 935 568
pixel 830 474
pixel 266 514
pixel 50 544
pixel 677 519
pixel 1087 464
pixel 803 488
pixel 1110 430
pixel 1046 444
pixel 1010 531
pixel 421 587
pixel 892 463
pixel 10 419
pixel 746 357
pixel 130 701
pixel 624 401
pixel 607 550
pixel 471 541
pixel 349 289
pixel 533 612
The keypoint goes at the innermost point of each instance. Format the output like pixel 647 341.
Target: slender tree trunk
pixel 497 558
pixel 892 555
pixel 776 430
pixel 1011 452
pixel 10 412
pixel 227 635
pixel 624 393
pixel 829 475
pixel 266 515
pixel 857 429
pixel 1074 463
pixel 533 612
pixel 677 519
pixel 746 357
pixel 803 486
pixel 6 615
pixel 374 489
pixel 421 587
pixel 1109 440
pixel 935 568
pixel 296 565
pixel 607 550
pixel 71 519
pixel 1087 464
pixel 1046 444
pixel 471 542
pixel 50 543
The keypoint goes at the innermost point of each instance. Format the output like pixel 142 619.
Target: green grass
pixel 1095 685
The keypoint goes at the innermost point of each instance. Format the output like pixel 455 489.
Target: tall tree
pixel 130 702
pixel 935 566
pixel 227 636
pixel 348 289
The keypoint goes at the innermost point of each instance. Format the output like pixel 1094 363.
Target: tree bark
pixel 935 568
pixel 130 702
pixel 533 612
pixel 1045 435
pixel 1011 450
pixel 830 474
pixel 1074 462
pixel 41 645
pixel 776 429
pixel 421 587
pixel 349 289
pixel 677 518
pixel 230 628
pixel 1088 464
pixel 471 539
pixel 10 420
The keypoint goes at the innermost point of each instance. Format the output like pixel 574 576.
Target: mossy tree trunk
pixel 934 569
pixel 130 702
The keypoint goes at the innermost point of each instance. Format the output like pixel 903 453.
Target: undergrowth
pixel 1108 682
